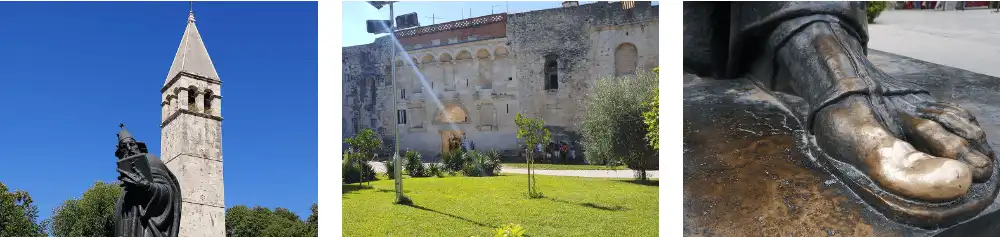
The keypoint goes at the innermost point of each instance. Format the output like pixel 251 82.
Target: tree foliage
pixel 614 130
pixel 91 215
pixel 365 142
pixel 531 132
pixel 260 221
pixel 652 115
pixel 364 146
pixel 875 9
pixel 18 214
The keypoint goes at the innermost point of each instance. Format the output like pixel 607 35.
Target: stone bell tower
pixel 191 135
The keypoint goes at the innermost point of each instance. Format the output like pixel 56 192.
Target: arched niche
pixel 482 54
pixel 427 58
pixel 451 113
pixel 626 59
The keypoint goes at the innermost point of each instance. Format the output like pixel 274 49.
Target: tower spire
pixel 192 57
pixel 191 12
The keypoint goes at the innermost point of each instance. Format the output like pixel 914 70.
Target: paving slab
pixel 750 170
pixel 968 40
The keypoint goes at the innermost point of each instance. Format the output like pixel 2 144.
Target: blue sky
pixel 356 13
pixel 72 71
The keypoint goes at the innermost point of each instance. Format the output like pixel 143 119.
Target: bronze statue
pixel 150 203
pixel 915 159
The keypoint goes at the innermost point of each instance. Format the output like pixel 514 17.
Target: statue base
pixel 749 168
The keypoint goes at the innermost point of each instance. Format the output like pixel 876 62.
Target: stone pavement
pixel 584 173
pixel 968 40
pixel 379 167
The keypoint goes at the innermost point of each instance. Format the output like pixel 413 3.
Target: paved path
pixel 379 167
pixel 584 173
pixel 967 40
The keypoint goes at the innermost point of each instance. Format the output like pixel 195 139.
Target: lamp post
pixel 400 198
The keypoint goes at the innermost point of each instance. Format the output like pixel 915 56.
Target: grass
pixel 564 167
pixel 474 206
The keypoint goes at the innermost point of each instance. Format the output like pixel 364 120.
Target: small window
pixel 551 72
pixel 374 123
pixel 508 108
pixel 401 116
pixel 208 100
pixel 192 99
pixel 466 82
pixel 402 94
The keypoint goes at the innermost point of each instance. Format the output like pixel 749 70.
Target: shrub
pixel 435 169
pixel 493 162
pixel 453 160
pixel 509 230
pixel 473 166
pixel 481 164
pixel 389 168
pixel 875 8
pixel 415 165
pixel 614 130
pixel 356 170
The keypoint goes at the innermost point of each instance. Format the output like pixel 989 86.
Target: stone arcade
pixel 191 135
pixel 472 76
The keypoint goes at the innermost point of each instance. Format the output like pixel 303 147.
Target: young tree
pixel 91 215
pixel 614 130
pixel 364 147
pixel 18 214
pixel 532 132
pixel 652 115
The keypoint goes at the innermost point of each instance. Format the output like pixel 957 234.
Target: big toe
pixel 929 178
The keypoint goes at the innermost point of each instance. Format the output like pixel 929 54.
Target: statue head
pixel 127 145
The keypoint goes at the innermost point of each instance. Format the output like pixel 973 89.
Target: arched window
pixel 208 100
pixel 626 59
pixel 192 98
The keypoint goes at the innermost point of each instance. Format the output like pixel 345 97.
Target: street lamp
pixel 397 168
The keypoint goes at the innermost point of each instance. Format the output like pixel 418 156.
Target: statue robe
pixel 155 212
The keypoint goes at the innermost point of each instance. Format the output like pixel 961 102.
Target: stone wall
pixel 366 86
pixel 587 42
pixel 583 39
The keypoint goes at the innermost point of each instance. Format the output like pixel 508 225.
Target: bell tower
pixel 191 135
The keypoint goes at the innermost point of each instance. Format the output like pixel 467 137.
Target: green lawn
pixel 467 206
pixel 564 167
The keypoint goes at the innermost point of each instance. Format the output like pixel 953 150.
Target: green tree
pixel 614 123
pixel 875 9
pixel 365 142
pixel 532 132
pixel 261 221
pixel 313 220
pixel 652 115
pixel 18 214
pixel 91 215
pixel 364 146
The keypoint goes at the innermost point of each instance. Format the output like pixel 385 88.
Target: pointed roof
pixel 192 56
pixel 123 134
